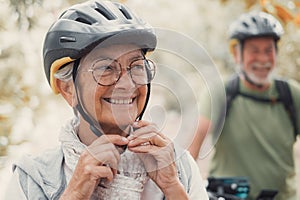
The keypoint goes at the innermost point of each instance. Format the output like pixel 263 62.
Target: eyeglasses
pixel 107 72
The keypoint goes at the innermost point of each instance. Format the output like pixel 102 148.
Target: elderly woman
pixel 94 56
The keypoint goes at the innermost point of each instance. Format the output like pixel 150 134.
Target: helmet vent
pixel 255 24
pixel 105 13
pixel 245 24
pixel 82 20
pixel 125 12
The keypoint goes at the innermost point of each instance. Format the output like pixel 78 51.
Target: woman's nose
pixel 125 81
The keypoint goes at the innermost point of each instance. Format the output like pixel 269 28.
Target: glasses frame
pixel 128 70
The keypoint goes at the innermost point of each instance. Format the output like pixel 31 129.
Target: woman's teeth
pixel 120 101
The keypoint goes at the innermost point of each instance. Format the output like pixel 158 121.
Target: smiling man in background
pixel 262 118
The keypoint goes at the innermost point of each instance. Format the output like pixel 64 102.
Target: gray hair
pixel 65 73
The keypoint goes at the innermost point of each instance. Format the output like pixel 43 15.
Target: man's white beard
pixel 257 80
pixel 261 81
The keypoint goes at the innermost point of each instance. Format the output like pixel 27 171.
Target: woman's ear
pixel 66 89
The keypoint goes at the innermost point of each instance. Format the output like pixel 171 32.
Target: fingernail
pixel 130 142
pixel 125 139
pixel 130 137
pixel 135 124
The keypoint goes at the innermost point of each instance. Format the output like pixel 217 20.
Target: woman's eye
pixel 138 67
pixel 104 70
pixel 108 68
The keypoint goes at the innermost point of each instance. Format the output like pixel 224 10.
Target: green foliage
pixel 23 24
pixel 24 10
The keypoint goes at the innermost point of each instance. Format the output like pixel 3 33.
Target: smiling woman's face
pixel 118 104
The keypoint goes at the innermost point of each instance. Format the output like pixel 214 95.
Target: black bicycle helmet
pixel 255 24
pixel 82 27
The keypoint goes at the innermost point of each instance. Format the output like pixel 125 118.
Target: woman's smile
pixel 120 101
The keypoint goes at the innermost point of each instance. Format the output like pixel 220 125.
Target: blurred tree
pixel 24 12
pixel 22 25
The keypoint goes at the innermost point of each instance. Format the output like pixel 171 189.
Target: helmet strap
pixel 86 116
pixel 144 51
pixel 146 103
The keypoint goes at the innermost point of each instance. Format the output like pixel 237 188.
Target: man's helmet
pixel 82 27
pixel 251 25
pixel 255 24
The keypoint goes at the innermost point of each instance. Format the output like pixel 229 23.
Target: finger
pixel 149 129
pixel 153 157
pixel 91 172
pixel 119 142
pixel 141 123
pixel 141 140
pixel 146 127
pixel 156 151
pixel 97 150
pixel 149 139
pixel 159 140
pixel 114 139
pixel 104 155
pixel 147 148
pixel 107 143
pixel 101 172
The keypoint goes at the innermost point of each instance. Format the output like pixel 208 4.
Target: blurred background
pixel 30 115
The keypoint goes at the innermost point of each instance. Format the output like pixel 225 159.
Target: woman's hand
pixel 157 153
pixel 98 161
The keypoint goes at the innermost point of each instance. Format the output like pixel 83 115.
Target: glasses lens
pixel 142 71
pixel 106 72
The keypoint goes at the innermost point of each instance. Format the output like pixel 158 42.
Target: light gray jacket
pixel 43 177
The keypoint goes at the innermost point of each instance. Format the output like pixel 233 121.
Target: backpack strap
pixel 261 99
pixel 232 90
pixel 285 96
